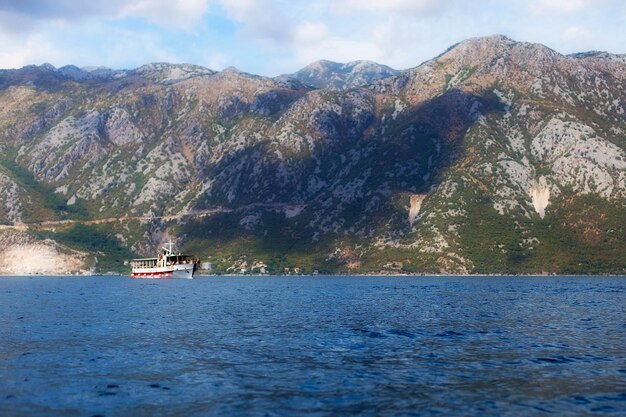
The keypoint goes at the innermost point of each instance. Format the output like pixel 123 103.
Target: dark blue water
pixel 371 346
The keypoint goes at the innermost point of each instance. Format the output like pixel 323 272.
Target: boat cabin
pixel 166 258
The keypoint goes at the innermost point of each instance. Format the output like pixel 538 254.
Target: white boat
pixel 167 265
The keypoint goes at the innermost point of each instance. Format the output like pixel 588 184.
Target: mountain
pixel 336 76
pixel 495 157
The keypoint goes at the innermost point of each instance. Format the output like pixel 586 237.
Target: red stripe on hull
pixel 159 275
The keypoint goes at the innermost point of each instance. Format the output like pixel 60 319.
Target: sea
pixel 313 346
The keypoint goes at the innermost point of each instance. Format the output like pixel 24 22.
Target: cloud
pixel 28 50
pixel 260 19
pixel 181 14
pixel 563 6
pixel 168 13
pixel 99 45
pixel 311 32
pixel 397 6
pixel 15 23
pixel 577 33
pixel 125 46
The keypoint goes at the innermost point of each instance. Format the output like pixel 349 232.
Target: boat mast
pixel 168 248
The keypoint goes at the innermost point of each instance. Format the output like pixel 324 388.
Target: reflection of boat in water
pixel 167 265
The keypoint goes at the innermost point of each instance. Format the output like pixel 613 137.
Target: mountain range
pixel 496 156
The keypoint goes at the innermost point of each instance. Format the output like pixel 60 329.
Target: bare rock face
pixel 480 160
pixel 416 201
pixel 38 258
pixel 540 195
pixel 118 127
pixel 24 255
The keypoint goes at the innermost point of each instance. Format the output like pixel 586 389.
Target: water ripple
pixel 319 346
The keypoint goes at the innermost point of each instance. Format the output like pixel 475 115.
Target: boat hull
pixel 184 271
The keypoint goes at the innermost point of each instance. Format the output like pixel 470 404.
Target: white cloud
pixel 260 19
pixel 183 14
pixel 311 32
pixel 577 33
pixel 397 6
pixel 563 6
pixel 130 48
pixel 25 50
pixel 118 48
pixel 240 10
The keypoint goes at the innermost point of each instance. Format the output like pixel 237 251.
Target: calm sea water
pixel 322 346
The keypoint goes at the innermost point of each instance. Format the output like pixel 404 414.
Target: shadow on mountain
pixel 272 103
pixel 358 185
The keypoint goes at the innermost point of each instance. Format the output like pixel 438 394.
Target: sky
pixel 272 37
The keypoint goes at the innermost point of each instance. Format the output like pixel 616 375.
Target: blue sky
pixel 271 37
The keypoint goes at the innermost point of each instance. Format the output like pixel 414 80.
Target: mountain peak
pixel 489 51
pixel 43 67
pixel 488 43
pixel 47 66
pixel 231 69
pixel 341 76
pixel 495 38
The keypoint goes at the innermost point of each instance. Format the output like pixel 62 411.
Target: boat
pixel 167 265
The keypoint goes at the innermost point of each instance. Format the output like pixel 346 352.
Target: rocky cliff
pixel 496 156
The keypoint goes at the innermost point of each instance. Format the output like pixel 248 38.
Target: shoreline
pixel 2 275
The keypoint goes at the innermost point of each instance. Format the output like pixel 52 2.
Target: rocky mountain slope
pixel 496 156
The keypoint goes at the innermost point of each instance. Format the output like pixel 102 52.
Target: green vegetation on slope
pixel 98 240
pixel 579 235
